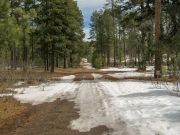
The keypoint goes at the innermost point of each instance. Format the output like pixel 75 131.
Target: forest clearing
pixel 106 67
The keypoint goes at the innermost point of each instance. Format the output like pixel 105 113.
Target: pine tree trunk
pixel 135 60
pixel 158 53
pixel 12 59
pixel 168 62
pixel 124 51
pixel 44 57
pixel 57 60
pixel 114 32
pixel 70 60
pixel 25 52
pixel 52 58
pixel 64 61
pixel 32 51
pixel 119 50
pixel 108 56
pixel 47 58
pixel 143 58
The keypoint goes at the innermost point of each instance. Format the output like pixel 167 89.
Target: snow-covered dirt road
pixel 126 107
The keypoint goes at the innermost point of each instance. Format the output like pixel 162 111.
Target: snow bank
pixel 145 109
pixel 127 107
pixel 70 77
pixel 130 74
pixel 133 108
pixel 88 66
pixel 150 68
pixel 92 102
pixel 84 60
pixel 6 95
pixel 97 76
pixel 19 83
pixel 45 92
pixel 66 78
pixel 111 69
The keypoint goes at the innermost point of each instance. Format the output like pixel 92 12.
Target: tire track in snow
pixel 94 105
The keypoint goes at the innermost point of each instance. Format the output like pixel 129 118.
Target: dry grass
pixel 47 119
pixel 9 78
pixel 13 76
pixel 9 109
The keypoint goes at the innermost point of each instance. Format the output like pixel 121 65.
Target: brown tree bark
pixel 158 53
pixel 114 31
pixel 52 58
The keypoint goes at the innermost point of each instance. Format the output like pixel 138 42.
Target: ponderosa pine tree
pixel 158 53
pixel 60 30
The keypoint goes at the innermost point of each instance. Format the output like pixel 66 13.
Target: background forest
pixel 46 33
pixel 124 33
pixel 49 34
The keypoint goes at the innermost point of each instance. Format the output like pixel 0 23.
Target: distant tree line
pixel 45 33
pixel 135 33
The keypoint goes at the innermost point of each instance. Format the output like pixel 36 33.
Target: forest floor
pixel 87 101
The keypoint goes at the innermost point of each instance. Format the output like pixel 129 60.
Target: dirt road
pixel 89 104
pixel 47 119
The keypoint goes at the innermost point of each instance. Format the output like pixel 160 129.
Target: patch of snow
pixel 88 66
pixel 112 69
pixel 93 104
pixel 19 83
pixel 97 76
pixel 84 60
pixel 127 107
pixel 6 95
pixel 66 78
pixel 150 68
pixel 70 77
pixel 130 74
pixel 45 92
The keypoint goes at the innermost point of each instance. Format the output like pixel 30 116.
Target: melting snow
pixel 150 68
pixel 130 74
pixel 111 69
pixel 70 77
pixel 66 78
pixel 19 83
pixel 6 95
pixel 127 107
pixel 132 108
pixel 44 92
pixel 97 76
